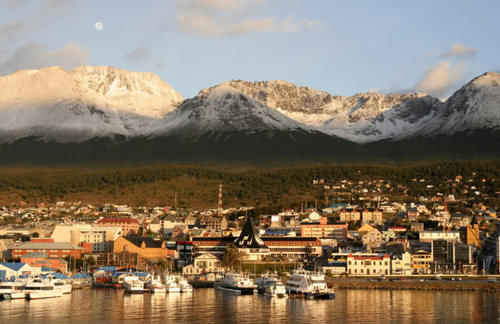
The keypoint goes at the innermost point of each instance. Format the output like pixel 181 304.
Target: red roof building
pixel 130 226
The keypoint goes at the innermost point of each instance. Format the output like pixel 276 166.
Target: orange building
pixel 144 247
pixel 129 225
pixel 323 229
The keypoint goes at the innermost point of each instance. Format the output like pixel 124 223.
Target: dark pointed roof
pixel 249 238
pixel 473 220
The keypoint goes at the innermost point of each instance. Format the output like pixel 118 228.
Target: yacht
pixel 155 286
pixel 236 283
pixel 184 285
pixel 172 284
pixel 12 289
pixel 270 286
pixel 38 288
pixel 309 284
pixel 132 285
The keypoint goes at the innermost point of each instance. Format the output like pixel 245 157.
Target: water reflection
pixel 208 305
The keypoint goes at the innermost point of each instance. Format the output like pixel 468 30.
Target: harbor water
pixel 213 306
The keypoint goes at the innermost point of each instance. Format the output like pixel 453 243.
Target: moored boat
pixel 39 288
pixel 184 285
pixel 270 286
pixel 171 284
pixel 132 284
pixel 155 286
pixel 236 283
pixel 309 284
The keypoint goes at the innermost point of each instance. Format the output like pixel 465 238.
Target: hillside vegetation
pixel 197 187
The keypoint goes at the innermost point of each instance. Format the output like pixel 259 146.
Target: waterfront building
pixel 52 249
pixel 350 215
pixel 366 264
pixel 205 263
pixel 401 264
pixel 130 226
pixel 421 262
pixel 41 260
pixel 14 269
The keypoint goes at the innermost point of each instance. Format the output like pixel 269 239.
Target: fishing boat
pixel 132 284
pixel 236 283
pixel 184 285
pixel 155 286
pixel 270 286
pixel 311 285
pixel 171 284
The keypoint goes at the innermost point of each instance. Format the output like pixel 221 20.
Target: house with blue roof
pixel 10 270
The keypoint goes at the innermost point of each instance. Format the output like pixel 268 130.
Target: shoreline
pixel 436 285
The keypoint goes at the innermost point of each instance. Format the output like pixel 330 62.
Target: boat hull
pixel 236 290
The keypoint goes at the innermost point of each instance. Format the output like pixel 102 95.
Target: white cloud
pixel 35 56
pixel 440 79
pixel 460 50
pixel 138 54
pixel 44 13
pixel 233 17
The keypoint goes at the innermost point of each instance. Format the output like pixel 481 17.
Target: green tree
pixel 231 257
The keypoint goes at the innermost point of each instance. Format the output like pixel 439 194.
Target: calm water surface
pixel 211 306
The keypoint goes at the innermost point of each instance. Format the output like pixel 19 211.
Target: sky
pixel 343 47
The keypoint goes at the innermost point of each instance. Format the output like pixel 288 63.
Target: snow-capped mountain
pixel 56 105
pixel 475 106
pixel 358 118
pixel 223 109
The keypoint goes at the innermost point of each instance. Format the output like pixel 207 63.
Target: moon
pixel 99 26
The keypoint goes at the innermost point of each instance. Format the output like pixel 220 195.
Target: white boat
pixel 12 289
pixel 271 286
pixel 184 285
pixel 132 284
pixel 63 286
pixel 38 288
pixel 171 284
pixel 155 286
pixel 309 284
pixel 236 283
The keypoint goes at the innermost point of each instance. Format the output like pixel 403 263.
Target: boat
pixel 13 289
pixel 171 284
pixel 132 284
pixel 184 285
pixel 309 284
pixel 271 286
pixel 103 277
pixel 63 286
pixel 236 283
pixel 155 286
pixel 39 288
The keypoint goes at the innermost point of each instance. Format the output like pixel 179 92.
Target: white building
pixel 14 269
pixel 368 264
pixel 429 236
pixel 101 237
pixel 401 265
pixel 205 263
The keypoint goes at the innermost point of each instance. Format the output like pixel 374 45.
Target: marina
pixel 210 305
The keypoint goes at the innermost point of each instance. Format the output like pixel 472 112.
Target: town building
pixel 429 236
pixel 144 247
pixel 130 226
pixel 421 262
pixel 401 264
pixel 52 249
pixel 362 264
pixel 9 270
pixel 205 263
pixel 322 229
pixel 100 238
pixel 41 260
